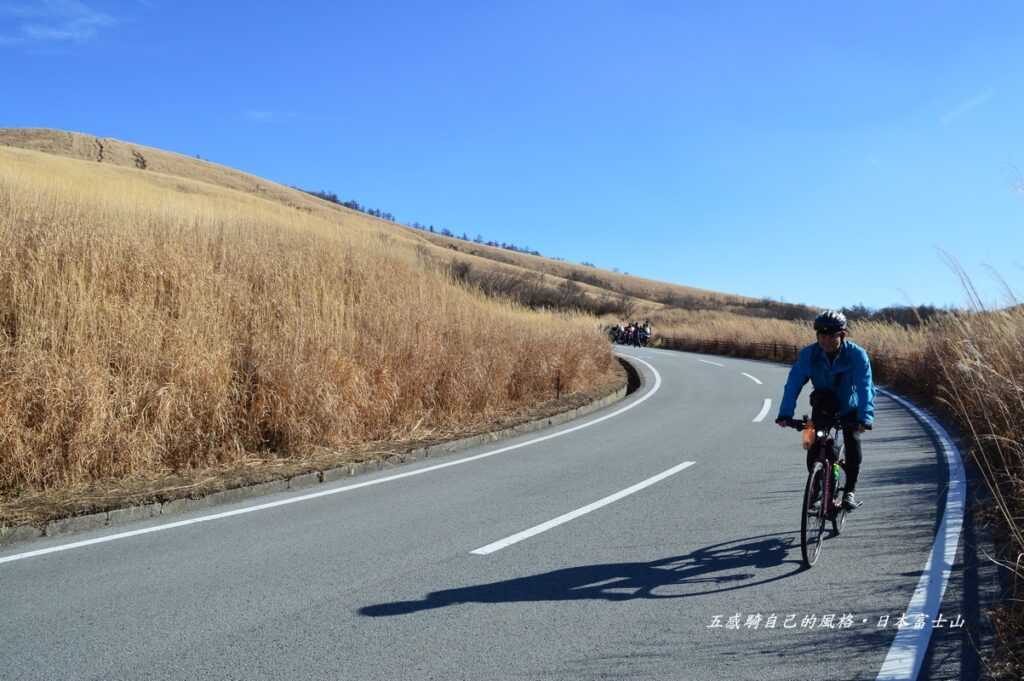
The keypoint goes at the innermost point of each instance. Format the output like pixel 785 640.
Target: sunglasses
pixel 829 333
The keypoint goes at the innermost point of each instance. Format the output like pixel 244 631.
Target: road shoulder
pixel 114 504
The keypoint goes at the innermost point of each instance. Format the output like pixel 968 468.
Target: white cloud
pixel 966 106
pixel 53 21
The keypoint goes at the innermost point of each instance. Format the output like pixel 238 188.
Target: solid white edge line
pixel 752 378
pixel 906 653
pixel 707 361
pixel 305 497
pixel 764 410
pixel 571 515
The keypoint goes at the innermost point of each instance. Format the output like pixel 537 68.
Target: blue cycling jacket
pixel 848 376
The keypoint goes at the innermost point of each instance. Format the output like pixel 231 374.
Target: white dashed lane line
pixel 707 361
pixel 764 411
pixel 755 379
pixel 555 522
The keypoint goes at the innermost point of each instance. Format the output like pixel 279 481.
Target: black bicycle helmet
pixel 830 321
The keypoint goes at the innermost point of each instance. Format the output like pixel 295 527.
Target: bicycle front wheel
pixel 812 516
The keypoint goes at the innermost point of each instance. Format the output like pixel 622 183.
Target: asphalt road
pixel 382 582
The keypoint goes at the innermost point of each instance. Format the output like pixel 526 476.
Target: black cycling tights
pixel 853 457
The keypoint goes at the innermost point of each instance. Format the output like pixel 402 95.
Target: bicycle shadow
pixel 721 567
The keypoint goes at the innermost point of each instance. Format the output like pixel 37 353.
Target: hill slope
pixel 152 324
pixel 493 268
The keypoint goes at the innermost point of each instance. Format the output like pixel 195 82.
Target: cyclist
pixel 841 367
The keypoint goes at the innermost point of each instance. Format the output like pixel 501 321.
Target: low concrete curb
pixel 122 516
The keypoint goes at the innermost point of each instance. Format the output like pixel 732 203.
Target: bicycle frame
pixel 829 455
pixel 828 440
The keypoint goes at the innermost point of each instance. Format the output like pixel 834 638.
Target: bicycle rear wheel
pixel 812 520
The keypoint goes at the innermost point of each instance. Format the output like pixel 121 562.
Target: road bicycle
pixel 823 493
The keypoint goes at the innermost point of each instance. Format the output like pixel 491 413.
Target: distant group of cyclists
pixel 634 333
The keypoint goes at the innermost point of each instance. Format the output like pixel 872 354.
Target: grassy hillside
pixel 533 280
pixel 152 323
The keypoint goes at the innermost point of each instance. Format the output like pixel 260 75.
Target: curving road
pixel 622 549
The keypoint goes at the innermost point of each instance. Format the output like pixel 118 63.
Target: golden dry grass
pixel 596 284
pixel 645 292
pixel 890 340
pixel 150 322
pixel 980 358
pixel 103 150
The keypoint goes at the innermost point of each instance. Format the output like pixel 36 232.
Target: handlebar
pixel 802 423
pixel 796 425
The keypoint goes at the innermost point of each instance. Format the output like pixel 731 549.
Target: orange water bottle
pixel 808 434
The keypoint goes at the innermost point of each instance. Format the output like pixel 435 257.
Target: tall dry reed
pixel 897 352
pixel 151 324
pixel 981 356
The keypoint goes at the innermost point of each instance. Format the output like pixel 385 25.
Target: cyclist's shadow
pixel 713 569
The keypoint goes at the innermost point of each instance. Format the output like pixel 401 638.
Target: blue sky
pixel 814 152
